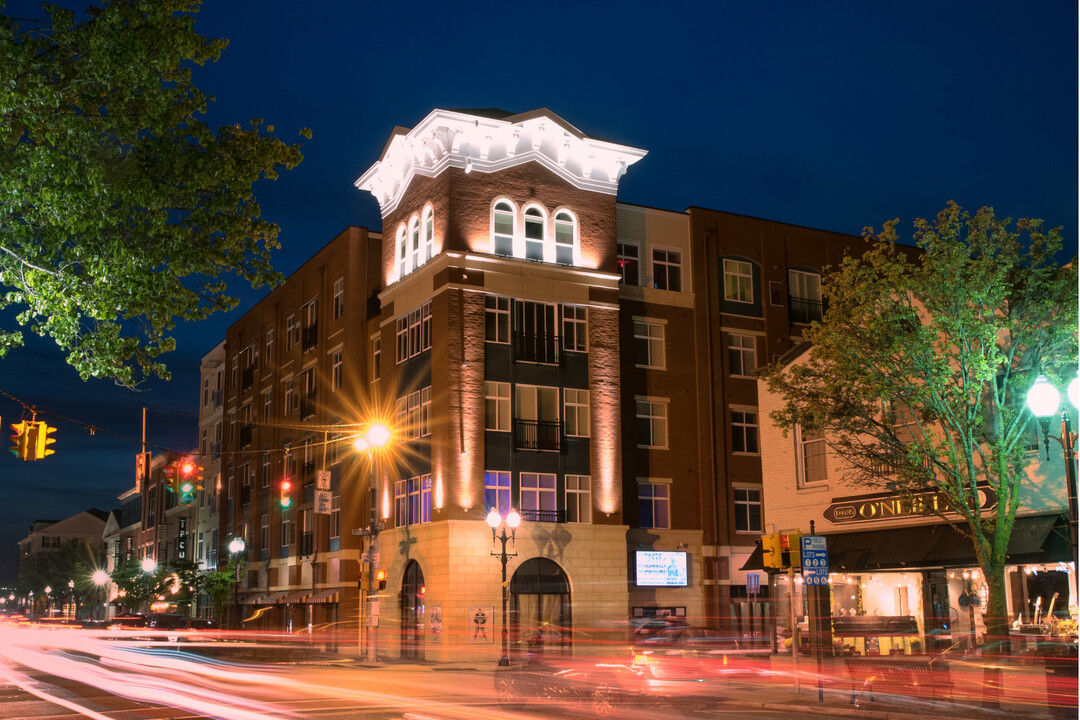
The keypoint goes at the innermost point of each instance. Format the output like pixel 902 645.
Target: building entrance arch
pixel 540 606
pixel 412 612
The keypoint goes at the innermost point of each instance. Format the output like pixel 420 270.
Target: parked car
pixel 132 620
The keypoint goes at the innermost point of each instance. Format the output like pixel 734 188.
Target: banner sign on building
pixel 883 506
pixel 182 539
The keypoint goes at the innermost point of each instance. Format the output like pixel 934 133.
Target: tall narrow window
pixel 628 259
pixel 565 238
pixel 403 250
pixel 497 406
pixel 336 367
pixel 805 300
pixel 667 270
pixel 742 355
pixel 536 332
pixel 414 242
pixel 502 229
pixel 497 319
pixel 575 328
pixel 578 499
pixel 576 412
pixel 652 424
pixel 744 431
pixel 811 459
pixel 425 412
pixel 497 491
pixel 376 358
pixel 339 298
pixel 538 500
pixel 269 346
pixel 654 509
pixel 429 234
pixel 536 419
pixel 534 234
pixel 649 344
pixel 738 281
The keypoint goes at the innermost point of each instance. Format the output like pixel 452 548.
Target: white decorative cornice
pixel 474 143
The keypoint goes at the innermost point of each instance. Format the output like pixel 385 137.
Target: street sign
pixel 370 557
pixel 322 502
pixel 815 560
pixel 322 480
pixel 753 583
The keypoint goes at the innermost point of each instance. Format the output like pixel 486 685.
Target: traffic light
pixel 188 483
pixel 286 494
pixel 791 545
pixel 380 579
pixel 771 551
pixel 42 441
pixel 20 441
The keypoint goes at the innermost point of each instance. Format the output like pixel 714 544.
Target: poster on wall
pixel 436 623
pixel 480 622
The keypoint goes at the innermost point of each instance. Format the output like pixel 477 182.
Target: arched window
pixel 534 234
pixel 502 231
pixel 414 242
pixel 541 604
pixel 565 238
pixel 402 250
pixel 429 233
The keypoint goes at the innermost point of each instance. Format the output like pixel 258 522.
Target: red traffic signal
pixel 286 493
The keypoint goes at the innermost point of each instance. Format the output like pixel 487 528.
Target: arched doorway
pixel 540 608
pixel 412 612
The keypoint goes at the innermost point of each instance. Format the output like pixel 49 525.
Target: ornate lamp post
pixel 377 437
pixel 1044 401
pixel 496 521
pixel 236 547
pixel 48 601
pixel 100 578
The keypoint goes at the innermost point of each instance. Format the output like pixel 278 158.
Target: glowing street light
pixel 236 547
pixel 376 437
pixel 512 520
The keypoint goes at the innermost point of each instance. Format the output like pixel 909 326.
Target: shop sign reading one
pixel 867 508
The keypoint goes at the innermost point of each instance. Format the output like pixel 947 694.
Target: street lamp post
pixel 496 521
pixel 1044 401
pixel 236 546
pixel 100 578
pixel 48 601
pixel 376 437
pixel 74 600
pixel 149 565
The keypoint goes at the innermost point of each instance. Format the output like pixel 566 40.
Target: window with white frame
pixel 628 258
pixel 268 405
pixel 412 500
pixel 742 355
pixel 497 406
pixel 413 422
pixel 575 328
pixel 376 358
pixel 425 412
pixel 744 431
pixel 738 281
pixel 652 422
pixel 402 241
pixel 537 403
pixel 578 499
pixel 266 469
pixel 667 269
pixel 649 343
pixel 536 332
pixel 748 509
pixel 339 298
pixel 811 456
pixel 502 229
pixel 537 493
pixel 534 233
pixel 335 517
pixel 414 332
pixel 576 412
pixel 429 234
pixel 414 242
pixel 336 370
pixel 290 397
pixel 565 238
pixel 654 504
pixel 497 319
pixel 269 346
pixel 497 491
pixel 264 532
pixel 805 302
pixel 292 332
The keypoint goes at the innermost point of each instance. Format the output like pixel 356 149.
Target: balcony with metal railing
pixel 550 516
pixel 804 310
pixel 310 337
pixel 537 435
pixel 543 349
pixel 246 432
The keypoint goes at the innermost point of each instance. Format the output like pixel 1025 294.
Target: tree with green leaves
pixel 135 587
pixel 220 585
pixel 73 562
pixel 121 211
pixel 918 372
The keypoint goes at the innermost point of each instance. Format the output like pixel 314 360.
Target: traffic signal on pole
pixel 286 494
pixel 188 481
pixel 42 441
pixel 20 440
pixel 770 551
pixel 380 579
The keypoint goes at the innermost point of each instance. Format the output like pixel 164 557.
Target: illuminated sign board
pixel 867 508
pixel 660 569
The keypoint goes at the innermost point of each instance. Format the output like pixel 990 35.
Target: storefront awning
pixel 324 596
pixel 295 598
pixel 272 598
pixel 1034 540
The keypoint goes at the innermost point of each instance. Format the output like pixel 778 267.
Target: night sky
pixel 830 115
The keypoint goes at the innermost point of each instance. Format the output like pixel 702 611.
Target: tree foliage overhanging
pixel 918 372
pixel 120 210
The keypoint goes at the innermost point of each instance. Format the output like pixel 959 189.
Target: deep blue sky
pixel 827 114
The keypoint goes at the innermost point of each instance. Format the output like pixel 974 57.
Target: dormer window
pixel 534 234
pixel 503 229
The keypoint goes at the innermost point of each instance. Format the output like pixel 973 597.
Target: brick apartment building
pixel 533 344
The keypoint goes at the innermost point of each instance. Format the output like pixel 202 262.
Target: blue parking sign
pixel 815 560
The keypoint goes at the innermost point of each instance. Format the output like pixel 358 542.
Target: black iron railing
pixel 802 310
pixel 537 435
pixel 536 348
